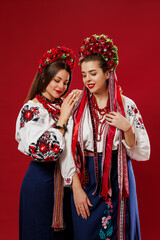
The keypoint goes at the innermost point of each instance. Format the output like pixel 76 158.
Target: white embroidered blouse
pixel 36 135
pixel 140 152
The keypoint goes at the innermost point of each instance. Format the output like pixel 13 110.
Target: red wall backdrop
pixel 28 28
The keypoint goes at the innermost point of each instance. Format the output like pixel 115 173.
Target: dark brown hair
pixel 95 57
pixel 40 82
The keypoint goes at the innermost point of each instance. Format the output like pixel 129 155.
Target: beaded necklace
pixel 48 105
pixel 99 116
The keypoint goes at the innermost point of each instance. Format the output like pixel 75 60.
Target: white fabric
pixel 140 152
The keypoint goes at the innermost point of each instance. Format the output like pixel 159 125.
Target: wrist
pixel 128 129
pixel 60 127
pixel 62 120
pixel 76 184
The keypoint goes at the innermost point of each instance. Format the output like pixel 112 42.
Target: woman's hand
pixel 81 202
pixel 117 120
pixel 68 105
pixel 81 199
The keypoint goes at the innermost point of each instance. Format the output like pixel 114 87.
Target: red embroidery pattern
pixel 46 149
pixel 67 181
pixel 28 114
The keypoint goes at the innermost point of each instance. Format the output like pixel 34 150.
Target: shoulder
pixel 32 105
pixel 31 111
pixel 127 101
pixel 34 100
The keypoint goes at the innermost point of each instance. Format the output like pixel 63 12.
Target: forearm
pixel 130 137
pixel 76 182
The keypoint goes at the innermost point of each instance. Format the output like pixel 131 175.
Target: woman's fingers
pixel 89 203
pixel 73 97
pixel 77 209
pixel 83 211
pixel 87 209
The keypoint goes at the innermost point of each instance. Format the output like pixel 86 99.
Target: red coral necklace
pixel 48 105
pixel 99 116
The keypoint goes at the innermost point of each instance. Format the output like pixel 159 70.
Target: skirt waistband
pixel 90 153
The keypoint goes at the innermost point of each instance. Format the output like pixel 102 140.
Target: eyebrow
pixel 93 70
pixel 61 78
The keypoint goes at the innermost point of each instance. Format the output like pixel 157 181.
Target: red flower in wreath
pixel 108 45
pixel 110 64
pixel 92 39
pixel 110 54
pixel 102 39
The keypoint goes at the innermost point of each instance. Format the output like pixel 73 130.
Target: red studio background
pixel 28 29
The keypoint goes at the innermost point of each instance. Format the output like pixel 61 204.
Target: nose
pixel 88 79
pixel 61 85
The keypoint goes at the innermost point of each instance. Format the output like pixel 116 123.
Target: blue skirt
pixel 36 205
pixel 103 222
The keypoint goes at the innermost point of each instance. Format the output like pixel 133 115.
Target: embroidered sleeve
pixel 28 114
pixel 47 148
pixel 67 164
pixel 36 136
pixel 141 150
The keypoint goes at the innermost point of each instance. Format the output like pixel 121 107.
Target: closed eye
pixel 56 80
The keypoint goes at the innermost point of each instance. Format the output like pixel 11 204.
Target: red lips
pixel 58 91
pixel 91 85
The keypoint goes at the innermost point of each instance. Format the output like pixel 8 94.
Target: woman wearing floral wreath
pixel 108 132
pixel 40 130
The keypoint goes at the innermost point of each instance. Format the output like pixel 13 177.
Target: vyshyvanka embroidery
pixel 107 229
pixel 133 111
pixel 47 148
pixel 28 114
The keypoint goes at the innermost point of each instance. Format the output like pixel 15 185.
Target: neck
pixel 101 98
pixel 47 95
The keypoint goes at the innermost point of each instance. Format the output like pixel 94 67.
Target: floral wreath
pixel 57 54
pixel 102 45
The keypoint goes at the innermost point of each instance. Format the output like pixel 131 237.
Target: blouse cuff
pixel 67 181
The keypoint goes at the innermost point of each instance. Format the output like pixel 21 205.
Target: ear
pixel 107 74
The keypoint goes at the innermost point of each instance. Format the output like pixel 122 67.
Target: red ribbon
pixel 105 177
pixel 76 126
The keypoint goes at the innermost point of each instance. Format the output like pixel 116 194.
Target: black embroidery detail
pixel 133 111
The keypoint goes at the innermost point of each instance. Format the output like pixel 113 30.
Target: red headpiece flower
pixel 102 45
pixel 62 54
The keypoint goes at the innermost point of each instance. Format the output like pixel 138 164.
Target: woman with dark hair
pixel 40 130
pixel 108 132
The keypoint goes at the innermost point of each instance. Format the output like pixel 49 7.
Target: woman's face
pixel 93 77
pixel 57 85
